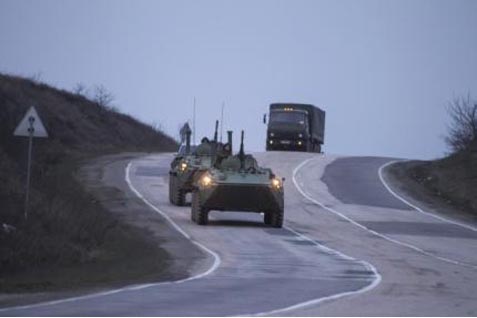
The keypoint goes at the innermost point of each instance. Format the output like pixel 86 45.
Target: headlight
pixel 206 180
pixel 183 166
pixel 271 142
pixel 272 134
pixel 276 183
pixel 299 143
pixel 300 135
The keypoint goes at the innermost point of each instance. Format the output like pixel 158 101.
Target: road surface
pixel 349 247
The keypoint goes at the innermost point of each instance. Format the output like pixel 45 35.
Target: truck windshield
pixel 287 117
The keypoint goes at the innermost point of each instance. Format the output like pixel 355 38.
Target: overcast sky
pixel 383 71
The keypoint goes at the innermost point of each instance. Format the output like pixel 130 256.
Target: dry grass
pixel 453 179
pixel 66 227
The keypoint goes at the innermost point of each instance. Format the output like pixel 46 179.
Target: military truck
pixel 237 183
pixel 188 161
pixel 291 126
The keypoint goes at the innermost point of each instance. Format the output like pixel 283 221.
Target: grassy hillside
pixel 452 180
pixel 66 227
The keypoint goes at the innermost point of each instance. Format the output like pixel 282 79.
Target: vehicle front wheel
pixel 179 197
pixel 277 219
pixel 171 188
pixel 267 218
pixel 199 214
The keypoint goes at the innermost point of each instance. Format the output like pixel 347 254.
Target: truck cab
pixel 298 127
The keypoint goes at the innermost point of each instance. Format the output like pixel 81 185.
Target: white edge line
pixel 341 215
pixel 217 261
pixel 376 281
pixel 386 185
pixel 214 266
pixel 377 277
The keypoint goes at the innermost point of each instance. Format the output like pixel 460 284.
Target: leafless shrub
pixel 102 97
pixel 157 126
pixel 462 135
pixel 80 89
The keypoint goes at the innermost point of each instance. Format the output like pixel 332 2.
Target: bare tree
pixel 102 97
pixel 462 135
pixel 80 89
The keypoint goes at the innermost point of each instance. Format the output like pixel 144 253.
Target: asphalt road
pixel 349 247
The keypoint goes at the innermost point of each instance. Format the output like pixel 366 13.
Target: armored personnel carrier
pixel 188 161
pixel 237 183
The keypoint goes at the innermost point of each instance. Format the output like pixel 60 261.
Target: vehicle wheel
pixel 309 146
pixel 179 197
pixel 170 189
pixel 277 219
pixel 199 214
pixel 267 218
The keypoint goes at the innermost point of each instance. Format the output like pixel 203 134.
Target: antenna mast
pixel 193 122
pixel 222 121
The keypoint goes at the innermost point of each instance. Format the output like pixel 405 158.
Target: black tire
pixel 199 214
pixel 309 146
pixel 171 187
pixel 277 219
pixel 318 148
pixel 267 218
pixel 179 196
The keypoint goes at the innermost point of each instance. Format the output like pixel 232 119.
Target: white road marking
pixel 316 301
pixel 214 266
pixel 380 173
pixel 377 277
pixel 216 257
pixel 341 215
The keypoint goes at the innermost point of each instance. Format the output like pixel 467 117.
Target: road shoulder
pixel 397 177
pixel 169 255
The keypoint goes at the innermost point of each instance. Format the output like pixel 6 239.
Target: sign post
pixel 30 126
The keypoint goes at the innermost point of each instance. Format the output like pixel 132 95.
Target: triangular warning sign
pixel 31 125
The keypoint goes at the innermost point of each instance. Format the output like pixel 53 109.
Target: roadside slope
pixel 446 186
pixel 69 234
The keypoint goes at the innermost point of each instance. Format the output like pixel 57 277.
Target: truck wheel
pixel 199 214
pixel 267 218
pixel 170 189
pixel 309 146
pixel 277 218
pixel 179 197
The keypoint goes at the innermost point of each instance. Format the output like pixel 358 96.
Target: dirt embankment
pixel 448 185
pixel 70 238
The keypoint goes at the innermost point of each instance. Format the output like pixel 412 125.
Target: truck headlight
pixel 205 180
pixel 183 166
pixel 300 135
pixel 299 143
pixel 272 135
pixel 277 183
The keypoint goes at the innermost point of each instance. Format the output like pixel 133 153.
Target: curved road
pixel 349 247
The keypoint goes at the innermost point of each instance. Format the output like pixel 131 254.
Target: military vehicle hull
pixel 260 196
pixel 241 197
